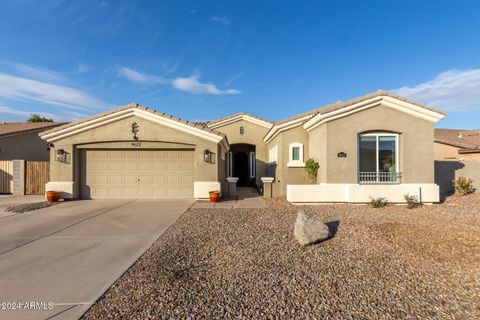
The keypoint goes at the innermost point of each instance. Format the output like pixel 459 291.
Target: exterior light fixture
pixel 242 130
pixel 61 156
pixel 209 156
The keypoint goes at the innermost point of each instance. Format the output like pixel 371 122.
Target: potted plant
pixel 53 196
pixel 214 196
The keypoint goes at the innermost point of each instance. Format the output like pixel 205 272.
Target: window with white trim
pixel 273 154
pixel 378 158
pixel 295 155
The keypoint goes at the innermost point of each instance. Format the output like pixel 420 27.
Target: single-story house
pixel 20 140
pixel 376 145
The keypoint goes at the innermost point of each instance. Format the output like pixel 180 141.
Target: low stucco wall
pixel 447 171
pixel 355 193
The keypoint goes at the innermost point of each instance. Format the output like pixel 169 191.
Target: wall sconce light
pixel 242 130
pixel 61 156
pixel 209 156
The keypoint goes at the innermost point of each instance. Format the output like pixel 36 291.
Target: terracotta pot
pixel 53 196
pixel 214 196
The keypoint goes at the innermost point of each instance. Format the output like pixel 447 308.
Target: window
pixel 273 154
pixel 378 158
pixel 295 155
pixel 252 164
pixel 230 164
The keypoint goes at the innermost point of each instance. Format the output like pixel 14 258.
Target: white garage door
pixel 136 174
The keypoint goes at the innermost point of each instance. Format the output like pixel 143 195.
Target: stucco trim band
pixel 240 117
pixel 387 101
pixel 122 114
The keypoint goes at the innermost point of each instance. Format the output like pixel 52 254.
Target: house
pixel 457 145
pixel 20 140
pixel 457 154
pixel 379 144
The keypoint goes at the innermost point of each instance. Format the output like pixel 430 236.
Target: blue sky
pixel 203 59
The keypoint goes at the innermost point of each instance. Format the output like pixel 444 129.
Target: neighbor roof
pixel 198 125
pixel 466 140
pixel 12 128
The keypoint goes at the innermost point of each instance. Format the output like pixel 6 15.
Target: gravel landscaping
pixel 387 263
pixel 27 207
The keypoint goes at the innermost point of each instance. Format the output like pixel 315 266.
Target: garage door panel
pixel 117 174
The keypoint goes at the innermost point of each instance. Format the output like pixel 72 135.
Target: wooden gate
pixel 37 174
pixel 6 176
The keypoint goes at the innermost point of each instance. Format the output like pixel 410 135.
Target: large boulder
pixel 309 228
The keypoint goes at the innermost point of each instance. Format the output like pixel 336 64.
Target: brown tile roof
pixel 467 140
pixel 343 104
pixel 198 125
pixel 236 115
pixel 11 128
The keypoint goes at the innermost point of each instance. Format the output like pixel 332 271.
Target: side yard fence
pixel 6 176
pixel 447 171
pixel 24 177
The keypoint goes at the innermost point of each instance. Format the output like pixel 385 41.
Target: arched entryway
pixel 242 163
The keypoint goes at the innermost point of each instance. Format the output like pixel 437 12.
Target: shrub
pixel 312 166
pixel 412 200
pixel 464 186
pixel 378 202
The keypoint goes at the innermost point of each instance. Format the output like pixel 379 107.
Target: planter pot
pixel 53 196
pixel 214 196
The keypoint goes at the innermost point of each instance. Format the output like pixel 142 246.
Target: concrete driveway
pixel 71 253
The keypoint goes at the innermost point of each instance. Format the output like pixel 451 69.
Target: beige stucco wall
pixel 288 175
pixel 253 134
pixel 318 150
pixel 118 135
pixel 415 144
pixel 445 152
pixel 26 146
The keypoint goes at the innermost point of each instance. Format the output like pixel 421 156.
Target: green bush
pixel 378 202
pixel 464 186
pixel 311 167
pixel 412 200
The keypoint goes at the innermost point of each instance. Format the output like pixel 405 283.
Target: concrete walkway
pixel 247 198
pixel 71 253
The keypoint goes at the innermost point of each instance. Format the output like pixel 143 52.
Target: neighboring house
pixel 457 154
pixel 457 145
pixel 376 145
pixel 20 140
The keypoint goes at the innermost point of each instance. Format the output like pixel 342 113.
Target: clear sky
pixel 203 59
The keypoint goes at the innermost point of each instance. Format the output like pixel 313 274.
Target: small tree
pixel 311 167
pixel 37 118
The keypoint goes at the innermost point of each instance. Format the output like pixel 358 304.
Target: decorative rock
pixel 309 228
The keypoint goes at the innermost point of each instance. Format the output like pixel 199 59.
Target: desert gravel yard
pixel 384 263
